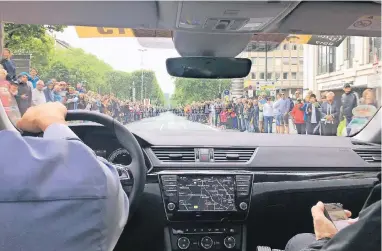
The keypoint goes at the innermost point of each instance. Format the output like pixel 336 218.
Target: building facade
pixel 283 64
pixel 356 61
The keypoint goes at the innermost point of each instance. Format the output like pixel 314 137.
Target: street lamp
pixel 142 50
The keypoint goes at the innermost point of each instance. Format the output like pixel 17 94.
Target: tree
pixel 41 51
pixel 198 90
pixel 75 65
pixel 17 34
pixel 119 83
pixel 151 88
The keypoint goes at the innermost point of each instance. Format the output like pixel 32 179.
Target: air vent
pixel 168 154
pixel 233 154
pixel 360 143
pixel 369 155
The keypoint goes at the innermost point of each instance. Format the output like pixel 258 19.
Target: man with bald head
pixel 330 116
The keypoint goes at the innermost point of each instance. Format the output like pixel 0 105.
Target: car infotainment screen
pixel 206 193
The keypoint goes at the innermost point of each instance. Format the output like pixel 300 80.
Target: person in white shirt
pixel 268 116
pixel 38 96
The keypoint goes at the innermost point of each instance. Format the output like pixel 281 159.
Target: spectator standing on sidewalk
pixel 48 92
pixel 38 96
pixel 9 65
pixel 314 116
pixel 71 99
pixel 349 100
pixel 24 96
pixel 268 116
pixel 57 97
pixel 298 117
pixel 330 116
pixel 33 78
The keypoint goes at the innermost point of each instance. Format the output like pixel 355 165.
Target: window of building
pixel 285 75
pixel 326 59
pixel 293 61
pixel 294 75
pixel 374 49
pixel 349 47
pixel 300 75
pixel 277 75
pixel 294 47
pixel 262 75
pixel 278 61
pixel 253 61
pixel 253 75
pixel 269 62
pixel 286 46
pixel 261 61
pixel 269 75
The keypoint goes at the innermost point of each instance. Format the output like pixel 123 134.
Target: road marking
pixel 161 127
pixel 212 128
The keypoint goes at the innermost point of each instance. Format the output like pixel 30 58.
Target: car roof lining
pixel 322 18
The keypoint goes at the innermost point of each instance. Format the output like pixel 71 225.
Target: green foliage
pixel 17 34
pixel 197 90
pixel 75 65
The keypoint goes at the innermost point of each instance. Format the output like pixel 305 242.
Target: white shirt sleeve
pixel 59 131
pixel 60 191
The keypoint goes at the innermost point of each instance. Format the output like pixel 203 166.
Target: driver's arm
pixel 55 193
pixel 365 234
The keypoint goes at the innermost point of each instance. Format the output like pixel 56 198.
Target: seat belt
pixel 375 194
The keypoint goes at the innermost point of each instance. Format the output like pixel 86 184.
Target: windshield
pixel 291 89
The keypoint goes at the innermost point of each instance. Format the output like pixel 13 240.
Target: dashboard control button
pixel 243 177
pixel 229 242
pixel 243 183
pixel 242 188
pixel 206 242
pixel 242 194
pixel 170 194
pixel 183 243
pixel 243 206
pixel 169 188
pixel 169 178
pixel 169 183
pixel 170 206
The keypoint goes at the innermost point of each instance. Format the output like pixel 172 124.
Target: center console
pixel 206 211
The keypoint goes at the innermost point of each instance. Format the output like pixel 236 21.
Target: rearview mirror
pixel 208 67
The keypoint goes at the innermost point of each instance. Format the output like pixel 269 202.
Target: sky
pixel 123 54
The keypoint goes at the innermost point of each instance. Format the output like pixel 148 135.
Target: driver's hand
pixel 323 228
pixel 38 118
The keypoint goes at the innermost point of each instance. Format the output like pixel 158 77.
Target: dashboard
pixel 212 196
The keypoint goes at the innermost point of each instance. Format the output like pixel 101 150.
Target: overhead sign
pixel 94 32
pixel 325 40
pixel 369 22
pixel 295 39
pixel 265 85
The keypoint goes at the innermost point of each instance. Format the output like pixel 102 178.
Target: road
pixel 170 122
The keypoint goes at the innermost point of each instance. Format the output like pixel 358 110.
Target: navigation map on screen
pixel 207 193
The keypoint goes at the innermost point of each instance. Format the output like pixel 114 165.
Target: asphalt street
pixel 168 122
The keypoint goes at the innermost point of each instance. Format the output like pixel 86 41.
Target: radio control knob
pixel 243 206
pixel 183 243
pixel 229 242
pixel 206 242
pixel 170 206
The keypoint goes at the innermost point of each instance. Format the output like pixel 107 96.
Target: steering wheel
pixel 132 176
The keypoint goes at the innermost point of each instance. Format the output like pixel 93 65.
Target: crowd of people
pixel 309 114
pixel 29 90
